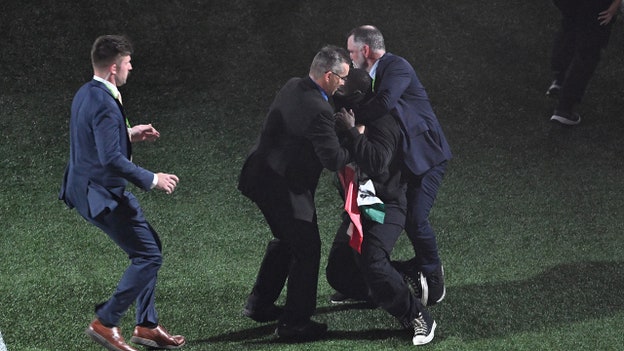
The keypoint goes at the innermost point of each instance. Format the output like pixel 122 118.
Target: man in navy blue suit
pixel 94 184
pixel 398 91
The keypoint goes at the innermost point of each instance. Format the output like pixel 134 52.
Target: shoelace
pixel 420 326
pixel 408 279
pixel 411 283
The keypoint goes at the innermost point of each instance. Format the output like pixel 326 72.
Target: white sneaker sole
pixel 421 340
pixel 424 288
pixel 563 120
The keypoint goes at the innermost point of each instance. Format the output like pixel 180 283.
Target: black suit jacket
pixel 297 141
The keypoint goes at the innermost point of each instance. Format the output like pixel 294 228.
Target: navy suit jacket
pixel 297 141
pixel 99 165
pixel 398 91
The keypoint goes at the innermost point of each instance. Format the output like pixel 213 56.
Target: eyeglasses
pixel 339 76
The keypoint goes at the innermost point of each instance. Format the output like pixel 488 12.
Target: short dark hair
pixel 108 48
pixel 329 58
pixel 368 35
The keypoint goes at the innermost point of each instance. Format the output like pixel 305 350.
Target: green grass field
pixel 529 218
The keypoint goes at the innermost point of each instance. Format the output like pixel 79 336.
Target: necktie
pixel 118 98
pixel 121 103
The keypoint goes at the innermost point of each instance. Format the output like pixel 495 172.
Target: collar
pixel 373 71
pixel 320 89
pixel 111 87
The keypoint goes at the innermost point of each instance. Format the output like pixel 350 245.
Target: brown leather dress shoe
pixel 110 338
pixel 157 338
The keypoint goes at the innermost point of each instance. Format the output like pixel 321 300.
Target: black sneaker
pixel 424 327
pixel 412 277
pixel 307 331
pixel 264 314
pixel 433 288
pixel 567 118
pixel 339 298
pixel 554 89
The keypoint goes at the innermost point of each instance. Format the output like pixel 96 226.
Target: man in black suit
pixel 399 92
pixel 377 152
pixel 280 175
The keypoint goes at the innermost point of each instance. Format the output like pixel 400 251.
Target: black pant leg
pixel 578 47
pixel 293 255
pixel 388 289
pixel 342 271
pixel 563 49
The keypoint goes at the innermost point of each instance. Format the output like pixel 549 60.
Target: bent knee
pixel 154 261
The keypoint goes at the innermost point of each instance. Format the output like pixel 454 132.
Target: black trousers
pixel 343 272
pixel 293 255
pixel 370 274
pixel 577 47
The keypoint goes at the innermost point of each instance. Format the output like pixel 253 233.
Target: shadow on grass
pixel 568 293
pixel 257 333
pixel 264 336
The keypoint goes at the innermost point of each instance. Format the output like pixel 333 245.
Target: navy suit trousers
pixel 128 228
pixel 422 191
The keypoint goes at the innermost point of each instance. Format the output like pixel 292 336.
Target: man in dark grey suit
pixel 95 184
pixel 280 175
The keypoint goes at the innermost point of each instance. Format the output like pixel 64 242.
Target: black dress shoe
pixel 307 331
pixel 339 298
pixel 264 314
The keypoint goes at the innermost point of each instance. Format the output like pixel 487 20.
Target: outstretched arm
pixel 143 132
pixel 166 182
pixel 607 15
pixel 322 135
